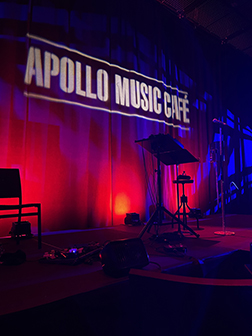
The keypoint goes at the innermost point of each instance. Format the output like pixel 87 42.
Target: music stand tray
pixel 177 157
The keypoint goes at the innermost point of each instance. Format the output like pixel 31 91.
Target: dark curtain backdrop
pixel 82 162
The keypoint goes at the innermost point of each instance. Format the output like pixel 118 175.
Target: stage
pixel 60 298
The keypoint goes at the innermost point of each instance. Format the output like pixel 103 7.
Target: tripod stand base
pixel 159 210
pixel 224 233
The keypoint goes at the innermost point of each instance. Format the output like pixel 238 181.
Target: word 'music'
pixel 89 82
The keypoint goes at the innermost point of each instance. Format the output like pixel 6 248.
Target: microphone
pixel 216 121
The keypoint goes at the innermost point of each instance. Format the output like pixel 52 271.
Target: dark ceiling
pixel 228 20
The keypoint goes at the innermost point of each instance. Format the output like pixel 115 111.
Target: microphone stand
pixel 223 232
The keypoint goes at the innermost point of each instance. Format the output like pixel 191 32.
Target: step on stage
pixel 80 299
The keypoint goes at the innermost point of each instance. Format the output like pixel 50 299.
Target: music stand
pixel 222 180
pixel 169 151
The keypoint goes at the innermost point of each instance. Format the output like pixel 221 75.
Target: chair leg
pixel 39 226
pixel 18 226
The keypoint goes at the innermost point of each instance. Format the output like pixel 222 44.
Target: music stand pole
pixel 160 202
pixel 223 220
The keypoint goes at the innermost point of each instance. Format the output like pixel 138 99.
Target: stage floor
pixel 33 284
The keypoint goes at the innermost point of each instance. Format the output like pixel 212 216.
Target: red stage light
pixel 122 204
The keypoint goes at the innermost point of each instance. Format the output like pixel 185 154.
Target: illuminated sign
pixel 58 73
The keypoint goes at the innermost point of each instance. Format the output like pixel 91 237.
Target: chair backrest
pixel 10 184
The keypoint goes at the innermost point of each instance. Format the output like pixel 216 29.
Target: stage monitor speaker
pixel 119 256
pixel 132 219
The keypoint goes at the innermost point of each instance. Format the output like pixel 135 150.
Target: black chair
pixel 10 187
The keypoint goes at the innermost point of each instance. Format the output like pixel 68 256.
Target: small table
pixel 184 200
